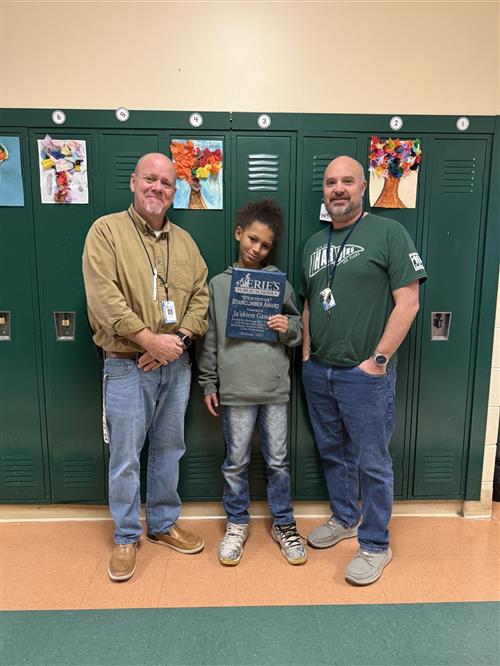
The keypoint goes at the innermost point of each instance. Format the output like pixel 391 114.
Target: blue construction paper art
pixel 11 177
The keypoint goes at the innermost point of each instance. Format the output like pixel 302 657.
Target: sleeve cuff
pixel 128 325
pixel 197 326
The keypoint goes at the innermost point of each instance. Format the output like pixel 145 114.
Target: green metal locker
pixel 72 386
pixel 23 459
pixel 454 218
pixel 317 151
pixel 265 168
pixel 211 230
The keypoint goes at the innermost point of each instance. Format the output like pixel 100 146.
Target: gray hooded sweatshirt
pixel 245 372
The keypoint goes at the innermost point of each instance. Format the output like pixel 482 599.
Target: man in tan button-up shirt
pixel 147 298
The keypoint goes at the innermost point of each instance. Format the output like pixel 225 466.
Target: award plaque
pixel 254 297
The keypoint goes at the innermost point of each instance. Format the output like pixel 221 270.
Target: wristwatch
pixel 380 359
pixel 185 339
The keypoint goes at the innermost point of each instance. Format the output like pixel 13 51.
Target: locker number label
pixel 264 121
pixel 463 123
pixel 196 120
pixel 122 114
pixel 58 117
pixel 396 123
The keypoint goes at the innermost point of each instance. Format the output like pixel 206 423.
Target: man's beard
pixel 154 207
pixel 339 210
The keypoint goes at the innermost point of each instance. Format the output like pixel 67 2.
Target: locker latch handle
pixel 440 325
pixel 4 326
pixel 65 326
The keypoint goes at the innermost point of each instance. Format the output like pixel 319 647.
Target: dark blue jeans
pixel 352 415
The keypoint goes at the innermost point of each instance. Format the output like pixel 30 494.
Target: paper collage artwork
pixel 11 177
pixel 198 166
pixel 63 171
pixel 394 165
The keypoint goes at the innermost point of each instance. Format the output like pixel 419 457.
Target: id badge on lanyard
pixel 326 298
pixel 169 314
pixel 325 295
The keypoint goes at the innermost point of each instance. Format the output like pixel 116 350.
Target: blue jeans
pixel 137 404
pixel 239 423
pixel 352 416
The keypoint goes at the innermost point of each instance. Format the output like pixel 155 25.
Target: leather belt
pixel 132 355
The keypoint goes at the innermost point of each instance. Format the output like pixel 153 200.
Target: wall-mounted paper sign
pixel 324 215
pixel 63 171
pixel 394 172
pixel 198 166
pixel 11 177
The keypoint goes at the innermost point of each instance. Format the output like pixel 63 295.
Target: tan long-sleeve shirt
pixel 119 279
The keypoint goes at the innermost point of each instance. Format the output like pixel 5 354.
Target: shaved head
pixel 349 162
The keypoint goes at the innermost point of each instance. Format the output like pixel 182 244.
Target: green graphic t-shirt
pixel 378 258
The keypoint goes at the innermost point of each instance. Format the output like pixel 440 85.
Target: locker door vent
pixel 79 472
pixel 263 172
pixel 320 162
pixel 17 471
pixel 257 467
pixel 200 468
pixel 457 176
pixel 438 467
pixel 123 165
pixel 313 472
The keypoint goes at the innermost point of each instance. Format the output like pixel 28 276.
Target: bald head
pixel 153 158
pixel 343 187
pixel 153 185
pixel 347 163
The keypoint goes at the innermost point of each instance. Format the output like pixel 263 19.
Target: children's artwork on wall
pixel 394 172
pixel 11 177
pixel 198 165
pixel 63 171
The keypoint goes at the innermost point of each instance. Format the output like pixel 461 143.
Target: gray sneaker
pixel 292 545
pixel 367 567
pixel 231 546
pixel 330 533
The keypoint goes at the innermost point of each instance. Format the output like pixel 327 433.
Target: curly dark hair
pixel 266 212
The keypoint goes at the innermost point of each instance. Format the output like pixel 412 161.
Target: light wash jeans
pixel 137 404
pixel 352 416
pixel 239 423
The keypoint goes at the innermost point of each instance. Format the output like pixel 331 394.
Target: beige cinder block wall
pixel 420 57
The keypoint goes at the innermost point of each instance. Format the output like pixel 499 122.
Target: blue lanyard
pixel 331 273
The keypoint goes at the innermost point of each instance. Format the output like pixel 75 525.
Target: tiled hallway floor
pixel 63 565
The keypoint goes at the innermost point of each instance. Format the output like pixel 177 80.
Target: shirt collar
pixel 144 226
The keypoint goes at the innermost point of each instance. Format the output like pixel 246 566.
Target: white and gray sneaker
pixel 367 567
pixel 330 533
pixel 292 545
pixel 231 546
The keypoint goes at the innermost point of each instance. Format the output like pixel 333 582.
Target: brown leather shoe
pixel 183 541
pixel 122 562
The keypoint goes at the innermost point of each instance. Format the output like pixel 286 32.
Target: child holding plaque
pixel 250 379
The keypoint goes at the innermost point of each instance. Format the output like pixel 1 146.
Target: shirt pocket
pixel 182 275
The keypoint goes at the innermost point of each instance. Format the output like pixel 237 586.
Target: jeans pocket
pixel 368 374
pixel 185 359
pixel 118 367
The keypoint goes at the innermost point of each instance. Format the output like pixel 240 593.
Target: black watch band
pixel 185 339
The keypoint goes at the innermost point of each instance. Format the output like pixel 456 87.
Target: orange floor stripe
pixel 63 565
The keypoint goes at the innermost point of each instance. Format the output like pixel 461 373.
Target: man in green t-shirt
pixel 360 283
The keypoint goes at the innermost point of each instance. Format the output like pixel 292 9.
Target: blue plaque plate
pixel 253 298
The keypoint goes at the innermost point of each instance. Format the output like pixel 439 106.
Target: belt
pixel 132 355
